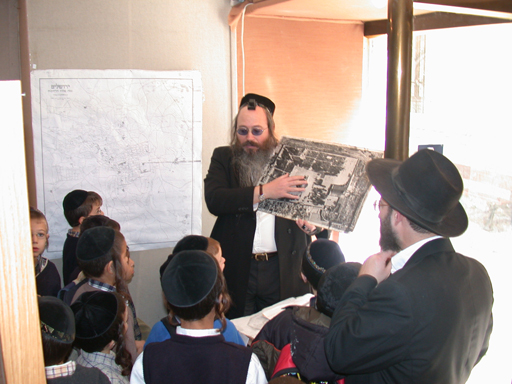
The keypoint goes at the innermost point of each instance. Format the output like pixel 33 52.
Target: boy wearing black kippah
pixel 58 333
pixel 104 258
pixel 196 292
pixel 78 204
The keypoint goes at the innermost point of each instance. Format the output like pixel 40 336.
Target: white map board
pixel 132 136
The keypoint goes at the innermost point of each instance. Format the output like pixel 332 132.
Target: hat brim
pixel 379 172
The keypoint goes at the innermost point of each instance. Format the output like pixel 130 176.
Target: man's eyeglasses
pixel 242 131
pixel 378 205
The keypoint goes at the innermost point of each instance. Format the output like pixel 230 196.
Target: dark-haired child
pixel 320 255
pixel 196 292
pixel 101 324
pixel 105 260
pixel 78 204
pixel 47 276
pixel 163 329
pixel 58 333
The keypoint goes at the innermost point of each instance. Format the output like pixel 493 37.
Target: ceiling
pixel 368 10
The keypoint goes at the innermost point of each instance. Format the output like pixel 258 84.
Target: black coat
pixel 429 322
pixel 234 230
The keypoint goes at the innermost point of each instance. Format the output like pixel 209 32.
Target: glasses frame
pixel 378 204
pixel 255 131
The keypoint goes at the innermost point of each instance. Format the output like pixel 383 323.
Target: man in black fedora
pixel 263 252
pixel 419 312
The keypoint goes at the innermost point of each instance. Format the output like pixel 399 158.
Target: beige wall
pixel 141 34
pixel 311 69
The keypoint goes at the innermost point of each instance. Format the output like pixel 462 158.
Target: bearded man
pixel 263 252
pixel 419 312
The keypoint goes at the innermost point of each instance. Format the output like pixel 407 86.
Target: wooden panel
pixel 20 335
pixel 312 70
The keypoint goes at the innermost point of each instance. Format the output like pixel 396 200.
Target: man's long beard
pixel 249 166
pixel 388 240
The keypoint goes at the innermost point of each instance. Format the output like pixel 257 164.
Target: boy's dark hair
pixel 54 351
pixel 114 332
pixel 333 284
pixel 73 215
pixel 99 221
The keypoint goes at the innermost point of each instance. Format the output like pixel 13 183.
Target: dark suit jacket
pixel 234 230
pixel 429 322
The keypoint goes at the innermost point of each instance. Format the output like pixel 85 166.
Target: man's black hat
pixel 56 319
pixel 95 243
pixel 189 278
pixel 74 199
pixel 258 99
pixel 425 188
pixel 95 312
pixel 320 255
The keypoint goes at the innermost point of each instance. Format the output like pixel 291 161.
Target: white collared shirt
pixel 402 257
pixel 255 373
pixel 264 235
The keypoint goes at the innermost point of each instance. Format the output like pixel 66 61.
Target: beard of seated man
pixel 249 164
pixel 388 240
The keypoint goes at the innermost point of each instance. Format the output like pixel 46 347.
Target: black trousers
pixel 264 286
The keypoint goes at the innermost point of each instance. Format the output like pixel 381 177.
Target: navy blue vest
pixel 186 359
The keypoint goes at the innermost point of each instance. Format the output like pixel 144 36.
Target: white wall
pixel 142 34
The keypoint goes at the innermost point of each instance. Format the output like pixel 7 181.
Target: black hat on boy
pixel 258 99
pixel 74 199
pixel 333 284
pixel 320 255
pixel 95 243
pixel 189 278
pixel 190 242
pixel 57 319
pixel 425 188
pixel 95 312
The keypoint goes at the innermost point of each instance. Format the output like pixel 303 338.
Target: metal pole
pixel 398 97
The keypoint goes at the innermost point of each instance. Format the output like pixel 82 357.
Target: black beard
pixel 249 166
pixel 388 240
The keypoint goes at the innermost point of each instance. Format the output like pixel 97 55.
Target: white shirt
pixel 402 257
pixel 255 373
pixel 264 235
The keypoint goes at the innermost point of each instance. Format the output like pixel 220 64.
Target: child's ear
pixel 47 240
pixel 109 268
pixel 82 218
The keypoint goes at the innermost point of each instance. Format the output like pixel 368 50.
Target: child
pixel 47 276
pixel 77 205
pixel 200 243
pixel 164 329
pixel 303 327
pixel 100 321
pixel 58 332
pixel 105 260
pixel 320 255
pixel 196 293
